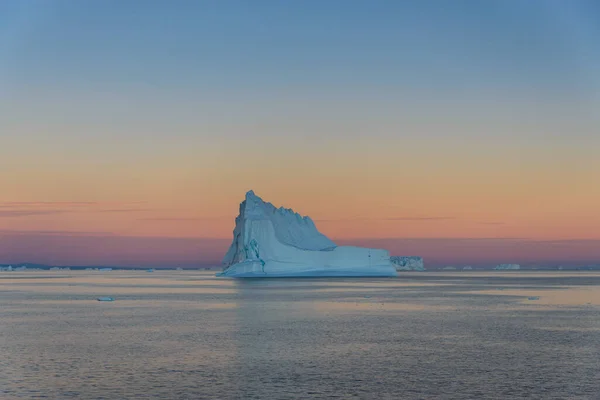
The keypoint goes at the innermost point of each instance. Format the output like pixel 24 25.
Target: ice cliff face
pixel 407 263
pixel 270 241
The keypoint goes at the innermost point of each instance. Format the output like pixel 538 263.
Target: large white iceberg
pixel 277 242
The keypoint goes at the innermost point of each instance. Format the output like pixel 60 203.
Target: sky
pixel 465 131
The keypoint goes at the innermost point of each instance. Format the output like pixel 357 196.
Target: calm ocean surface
pixel 189 335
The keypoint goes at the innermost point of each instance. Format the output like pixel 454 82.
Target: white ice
pixel 277 242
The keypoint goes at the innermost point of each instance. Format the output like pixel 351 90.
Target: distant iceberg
pixel 21 268
pixel 278 242
pixel 407 263
pixel 502 267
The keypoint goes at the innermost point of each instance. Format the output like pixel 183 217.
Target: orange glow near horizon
pixel 408 182
pixel 362 193
pixel 367 208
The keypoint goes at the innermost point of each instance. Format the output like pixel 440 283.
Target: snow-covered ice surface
pixel 278 242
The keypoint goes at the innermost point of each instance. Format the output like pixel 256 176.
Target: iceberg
pixel 503 267
pixel 278 242
pixel 407 263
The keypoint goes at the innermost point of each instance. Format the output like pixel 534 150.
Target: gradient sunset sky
pixel 463 131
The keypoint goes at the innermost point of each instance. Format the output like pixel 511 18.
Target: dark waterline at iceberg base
pixel 307 275
pixel 190 335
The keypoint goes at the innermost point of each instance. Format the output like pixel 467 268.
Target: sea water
pixel 190 335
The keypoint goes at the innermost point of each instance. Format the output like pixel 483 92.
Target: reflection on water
pixel 189 335
pixel 567 296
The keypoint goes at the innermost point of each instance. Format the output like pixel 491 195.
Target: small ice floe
pixel 105 298
pixel 150 270
pixel 533 298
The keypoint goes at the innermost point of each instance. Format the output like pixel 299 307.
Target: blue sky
pixel 244 61
pixel 545 46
